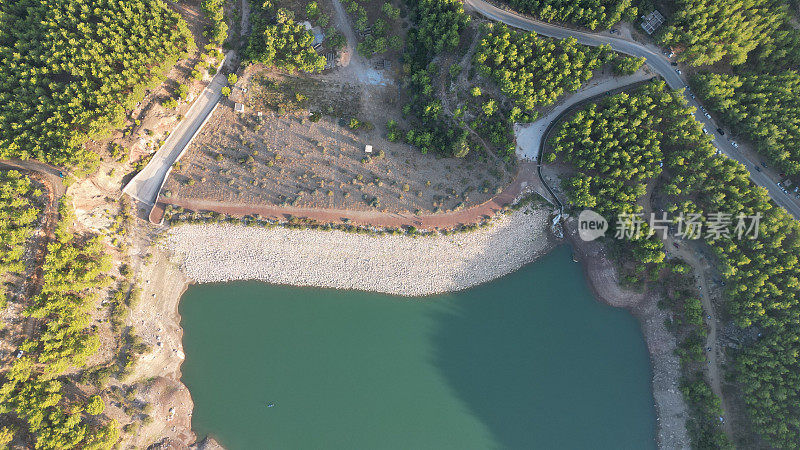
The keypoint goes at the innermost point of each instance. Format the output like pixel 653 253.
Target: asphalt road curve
pixel 659 63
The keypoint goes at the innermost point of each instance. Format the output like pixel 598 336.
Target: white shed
pixel 367 148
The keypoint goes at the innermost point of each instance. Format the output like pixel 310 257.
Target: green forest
pixel 439 26
pixel 71 68
pixel 530 70
pixel 780 51
pixel 74 268
pixel 533 70
pixel 761 274
pixel 763 108
pixel 706 31
pixel 592 14
pixel 19 210
pixel 277 40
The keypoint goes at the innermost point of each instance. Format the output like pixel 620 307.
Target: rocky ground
pixel 400 265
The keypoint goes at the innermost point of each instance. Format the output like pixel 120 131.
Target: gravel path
pixel 398 265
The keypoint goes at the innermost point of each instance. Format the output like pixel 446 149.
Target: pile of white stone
pixel 401 265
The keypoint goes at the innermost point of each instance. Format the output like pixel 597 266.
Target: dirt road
pixel 689 252
pixel 526 180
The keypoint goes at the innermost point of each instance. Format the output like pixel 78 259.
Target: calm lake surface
pixel 528 361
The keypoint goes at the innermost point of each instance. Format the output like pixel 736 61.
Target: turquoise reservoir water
pixel 527 361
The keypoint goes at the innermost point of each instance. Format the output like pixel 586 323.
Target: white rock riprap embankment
pixel 398 265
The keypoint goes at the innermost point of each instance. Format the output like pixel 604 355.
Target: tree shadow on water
pixel 536 366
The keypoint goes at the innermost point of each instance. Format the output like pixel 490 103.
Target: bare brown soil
pixel 525 181
pixel 287 160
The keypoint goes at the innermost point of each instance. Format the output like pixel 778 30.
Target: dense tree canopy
pixel 535 71
pixel 764 108
pixel 69 69
pixel 780 52
pixel 279 41
pixel 439 24
pixel 74 268
pixel 615 147
pixel 217 32
pixel 434 131
pixel 762 272
pixel 19 210
pixel 592 14
pixel 438 27
pixel 705 31
pixel 626 65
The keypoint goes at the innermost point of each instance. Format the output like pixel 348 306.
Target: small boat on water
pixel 270 405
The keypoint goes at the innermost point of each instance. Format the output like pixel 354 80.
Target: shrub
pixel 95 405
pixel 312 10
pixel 182 91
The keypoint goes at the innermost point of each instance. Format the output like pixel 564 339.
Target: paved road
pixel 660 64
pixel 147 183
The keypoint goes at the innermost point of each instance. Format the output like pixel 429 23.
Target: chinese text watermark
pixel 713 226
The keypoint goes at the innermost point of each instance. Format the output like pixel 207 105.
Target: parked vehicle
pixel 734 144
pixel 721 131
pixel 758 169
pixel 708 116
pixel 705 130
pixel 678 71
pixel 674 63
